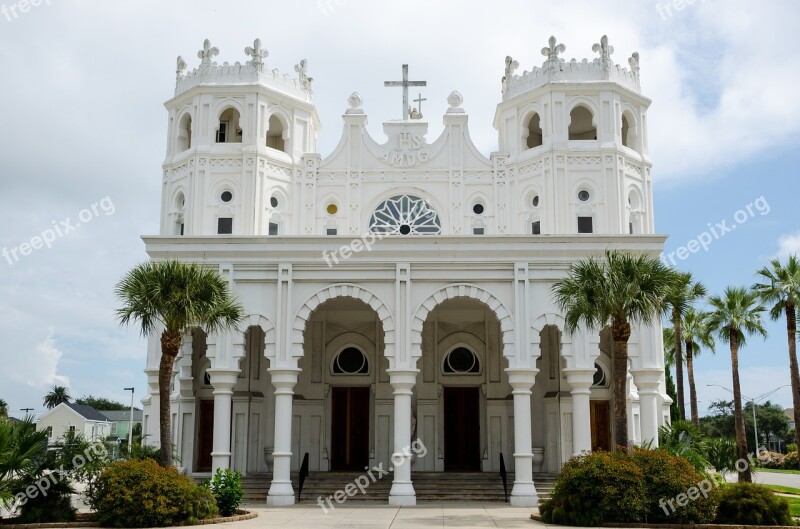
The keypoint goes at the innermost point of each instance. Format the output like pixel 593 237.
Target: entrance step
pixel 429 486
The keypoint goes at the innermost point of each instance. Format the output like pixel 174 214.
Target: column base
pixel 524 495
pixel 280 500
pixel 402 501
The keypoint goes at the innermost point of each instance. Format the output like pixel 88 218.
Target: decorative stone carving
pixel 552 64
pixel 455 100
pixel 207 54
pixel 356 103
pixel 257 55
pixel 511 66
pixel 302 71
pixel 180 67
pixel 605 50
pixel 634 64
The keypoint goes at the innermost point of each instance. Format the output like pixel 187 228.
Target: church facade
pixel 398 290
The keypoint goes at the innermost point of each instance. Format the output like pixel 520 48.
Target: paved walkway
pixel 777 478
pixel 384 517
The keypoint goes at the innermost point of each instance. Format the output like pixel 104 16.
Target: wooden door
pixel 350 428
pixel 205 435
pixel 601 425
pixel 462 446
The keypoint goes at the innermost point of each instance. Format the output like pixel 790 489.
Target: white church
pixel 399 288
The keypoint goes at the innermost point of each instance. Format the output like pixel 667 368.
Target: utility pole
pixel 130 422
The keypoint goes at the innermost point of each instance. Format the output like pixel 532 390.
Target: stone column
pixel 402 492
pixel 280 491
pixel 524 492
pixel 223 381
pixel 648 382
pixel 581 381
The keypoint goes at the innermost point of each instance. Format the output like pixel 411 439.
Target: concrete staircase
pixel 430 487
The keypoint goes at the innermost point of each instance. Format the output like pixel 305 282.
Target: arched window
pixel 461 361
pixel 275 134
pixel 405 215
pixel 534 131
pixel 180 207
pixel 581 126
pixel 350 361
pixel 228 130
pixel 185 133
pixel 625 129
pixel 600 379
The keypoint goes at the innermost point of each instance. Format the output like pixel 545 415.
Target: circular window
pixel 477 209
pixel 461 360
pixel 599 377
pixel 226 196
pixel 583 195
pixel 351 361
pixel 535 201
pixel 332 209
pixel 273 202
pixel 406 215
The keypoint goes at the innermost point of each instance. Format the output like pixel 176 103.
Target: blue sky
pixel 82 96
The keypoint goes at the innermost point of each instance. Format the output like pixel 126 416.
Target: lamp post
pixel 753 404
pixel 130 422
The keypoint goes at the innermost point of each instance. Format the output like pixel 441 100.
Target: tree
pixel 780 287
pixel 3 409
pixel 618 291
pixel 735 315
pixel 57 395
pixel 173 297
pixel 102 403
pixel 696 335
pixel 669 363
pixel 683 293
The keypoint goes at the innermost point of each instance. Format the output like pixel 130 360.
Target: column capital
pixel 284 378
pixel 223 380
pixel 521 378
pixel 402 379
pixel 647 380
pixel 579 379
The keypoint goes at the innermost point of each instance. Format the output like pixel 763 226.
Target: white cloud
pixel 789 244
pixel 39 367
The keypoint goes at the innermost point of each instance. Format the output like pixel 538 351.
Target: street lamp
pixel 130 423
pixel 753 404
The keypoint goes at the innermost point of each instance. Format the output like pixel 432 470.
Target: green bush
pixel 790 461
pixel 751 504
pixel 56 506
pixel 226 486
pixel 140 493
pixel 667 477
pixel 721 454
pixel 597 488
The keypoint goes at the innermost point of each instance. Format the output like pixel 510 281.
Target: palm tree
pixel 683 294
pixel 58 395
pixel 733 316
pixel 696 335
pixel 174 297
pixel 780 287
pixel 618 291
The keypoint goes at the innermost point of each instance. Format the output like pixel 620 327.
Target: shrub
pixel 751 504
pixel 227 489
pixel 774 460
pixel 721 454
pixel 668 476
pixel 597 488
pixel 790 461
pixel 140 493
pixel 56 506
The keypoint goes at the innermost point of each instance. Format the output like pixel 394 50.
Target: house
pixel 398 289
pixel 789 412
pixel 77 418
pixel 120 422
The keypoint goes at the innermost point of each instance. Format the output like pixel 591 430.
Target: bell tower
pixel 236 137
pixel 574 134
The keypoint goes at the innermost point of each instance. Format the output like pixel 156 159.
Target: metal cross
pixel 405 83
pixel 419 101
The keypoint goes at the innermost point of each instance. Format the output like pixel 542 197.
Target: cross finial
pixel 207 53
pixel 256 54
pixel 551 52
pixel 180 67
pixel 511 66
pixel 405 83
pixel 605 50
pixel 302 71
pixel 419 101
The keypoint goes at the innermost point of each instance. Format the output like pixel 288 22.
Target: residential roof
pixel 789 412
pixel 87 412
pixel 122 415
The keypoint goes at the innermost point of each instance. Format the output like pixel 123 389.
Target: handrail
pixel 504 475
pixel 303 475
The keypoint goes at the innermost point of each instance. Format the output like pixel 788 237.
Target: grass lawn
pixel 782 489
pixel 778 471
pixel 794 506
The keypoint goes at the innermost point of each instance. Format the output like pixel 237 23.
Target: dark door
pixel 350 428
pixel 601 425
pixel 205 435
pixel 462 448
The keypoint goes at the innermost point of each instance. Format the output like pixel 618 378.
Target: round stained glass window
pixel 405 215
pixel 461 360
pixel 477 209
pixel 351 361
pixel 583 195
pixel 332 209
pixel 273 202
pixel 226 196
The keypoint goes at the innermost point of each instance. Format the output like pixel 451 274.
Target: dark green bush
pixel 226 486
pixel 751 504
pixel 56 506
pixel 790 461
pixel 140 493
pixel 597 488
pixel 666 477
